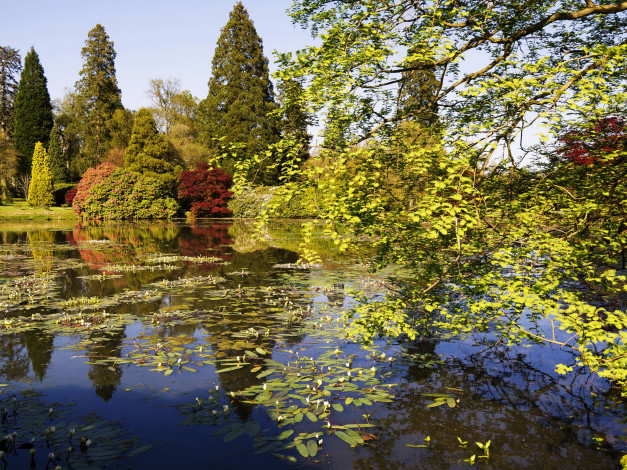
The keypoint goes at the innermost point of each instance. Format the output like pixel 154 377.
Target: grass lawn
pixel 19 210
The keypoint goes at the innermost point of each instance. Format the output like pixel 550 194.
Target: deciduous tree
pixel 8 164
pixel 493 246
pixel 10 67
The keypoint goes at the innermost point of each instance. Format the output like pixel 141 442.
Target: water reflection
pixel 237 295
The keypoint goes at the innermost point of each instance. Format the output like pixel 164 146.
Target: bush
pixel 69 196
pixel 60 192
pixel 127 195
pixel 253 200
pixel 205 191
pixel 89 179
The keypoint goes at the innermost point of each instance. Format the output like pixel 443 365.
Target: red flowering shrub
pixel 69 196
pixel 91 177
pixel 606 140
pixel 205 191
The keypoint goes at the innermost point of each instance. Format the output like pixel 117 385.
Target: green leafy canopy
pixel 530 253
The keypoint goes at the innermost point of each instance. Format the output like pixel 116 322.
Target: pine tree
pixel 41 188
pixel 150 153
pixel 57 160
pixel 10 67
pixel 98 95
pixel 240 91
pixel 33 110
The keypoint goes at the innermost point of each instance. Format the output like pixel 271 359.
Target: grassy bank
pixel 19 210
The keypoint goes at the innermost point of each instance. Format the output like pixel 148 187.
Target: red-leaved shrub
pixel 606 140
pixel 205 191
pixel 69 196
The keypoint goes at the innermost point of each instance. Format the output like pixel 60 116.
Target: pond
pixel 157 345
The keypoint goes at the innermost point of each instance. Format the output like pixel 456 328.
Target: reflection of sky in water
pixel 534 418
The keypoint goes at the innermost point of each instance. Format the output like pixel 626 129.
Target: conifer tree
pixel 150 153
pixel 240 91
pixel 41 188
pixel 10 67
pixel 33 110
pixel 57 160
pixel 98 95
pixel 417 93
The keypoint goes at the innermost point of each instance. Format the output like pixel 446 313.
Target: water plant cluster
pixel 267 351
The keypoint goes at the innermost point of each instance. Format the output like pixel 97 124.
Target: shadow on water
pixel 138 323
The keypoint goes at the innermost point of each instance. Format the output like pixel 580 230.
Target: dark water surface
pixel 116 332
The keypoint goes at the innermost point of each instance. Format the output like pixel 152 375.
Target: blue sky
pixel 153 39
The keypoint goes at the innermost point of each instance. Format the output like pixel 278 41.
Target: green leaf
pixel 346 438
pixel 228 369
pixel 312 448
pixel 302 450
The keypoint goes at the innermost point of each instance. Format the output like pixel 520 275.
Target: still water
pixel 164 345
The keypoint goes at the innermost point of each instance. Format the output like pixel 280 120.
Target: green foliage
pixel 417 92
pixel 295 119
pixel 33 111
pixel 250 202
pixel 10 67
pixel 241 96
pixel 97 97
pixel 150 153
pixel 532 255
pixel 57 160
pixel 8 159
pixel 127 195
pixel 60 191
pixel 176 114
pixel 40 189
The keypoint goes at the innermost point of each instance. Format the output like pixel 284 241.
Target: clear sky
pixel 153 38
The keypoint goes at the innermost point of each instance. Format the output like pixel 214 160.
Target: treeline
pixel 238 124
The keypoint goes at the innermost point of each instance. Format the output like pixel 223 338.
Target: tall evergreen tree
pixel 294 122
pixel 41 187
pixel 33 110
pixel 240 91
pixel 98 94
pixel 417 93
pixel 10 67
pixel 150 153
pixel 57 160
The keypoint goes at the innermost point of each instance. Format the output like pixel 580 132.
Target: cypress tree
pixel 149 152
pixel 240 91
pixel 41 188
pixel 57 160
pixel 33 110
pixel 98 95
pixel 10 67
